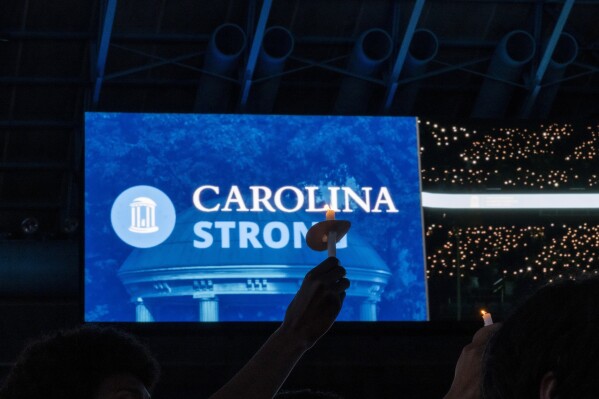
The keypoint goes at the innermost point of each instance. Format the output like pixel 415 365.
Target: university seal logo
pixel 143 216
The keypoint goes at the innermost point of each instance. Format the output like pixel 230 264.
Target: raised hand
pixel 318 302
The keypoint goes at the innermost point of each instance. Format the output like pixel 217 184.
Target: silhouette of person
pixel 85 362
pixel 103 363
pixel 547 348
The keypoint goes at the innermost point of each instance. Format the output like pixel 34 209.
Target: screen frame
pixel 186 325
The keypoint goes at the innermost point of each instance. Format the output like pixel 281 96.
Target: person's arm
pixel 467 378
pixel 308 317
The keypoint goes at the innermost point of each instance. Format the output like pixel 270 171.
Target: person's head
pixel 549 347
pixel 87 362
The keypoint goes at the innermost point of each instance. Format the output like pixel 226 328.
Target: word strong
pixel 275 235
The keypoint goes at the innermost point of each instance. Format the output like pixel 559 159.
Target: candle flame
pixel 487 318
pixel 330 215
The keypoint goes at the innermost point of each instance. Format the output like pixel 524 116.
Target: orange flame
pixel 330 214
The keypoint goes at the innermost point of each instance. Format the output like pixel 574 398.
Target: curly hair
pixel 73 364
pixel 556 330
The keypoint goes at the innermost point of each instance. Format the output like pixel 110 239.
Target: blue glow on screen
pixel 203 217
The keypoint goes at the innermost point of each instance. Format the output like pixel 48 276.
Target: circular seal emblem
pixel 143 216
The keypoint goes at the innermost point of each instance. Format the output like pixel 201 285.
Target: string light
pixel 551 157
pixel 533 251
pixel 475 151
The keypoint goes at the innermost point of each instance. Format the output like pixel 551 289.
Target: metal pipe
pixel 103 48
pixel 423 49
pixel 246 84
pixel 402 54
pixel 565 53
pixel 371 50
pixel 535 86
pixel 276 48
pixel 221 61
pixel 514 51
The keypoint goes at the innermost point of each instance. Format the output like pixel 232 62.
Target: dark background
pixel 55 68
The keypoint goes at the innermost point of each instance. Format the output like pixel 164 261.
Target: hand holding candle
pixel 325 235
pixel 488 320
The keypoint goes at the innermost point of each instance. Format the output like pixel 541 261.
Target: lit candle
pixel 330 214
pixel 332 235
pixel 325 234
pixel 488 320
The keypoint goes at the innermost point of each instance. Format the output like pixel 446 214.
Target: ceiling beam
pixel 33 205
pixel 253 57
pixel 103 48
pixel 403 53
pixel 36 80
pixel 27 123
pixel 163 61
pixel 535 86
pixel 14 166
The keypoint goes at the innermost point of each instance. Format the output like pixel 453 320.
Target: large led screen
pixel 204 217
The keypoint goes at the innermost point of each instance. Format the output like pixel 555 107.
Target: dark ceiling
pixel 436 59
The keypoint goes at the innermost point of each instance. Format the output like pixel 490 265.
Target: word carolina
pixel 262 198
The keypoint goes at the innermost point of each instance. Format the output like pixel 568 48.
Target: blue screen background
pixel 179 152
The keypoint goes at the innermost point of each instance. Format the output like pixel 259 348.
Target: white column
pixel 368 310
pixel 138 219
pixel 152 217
pixel 142 313
pixel 209 309
pixel 146 216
